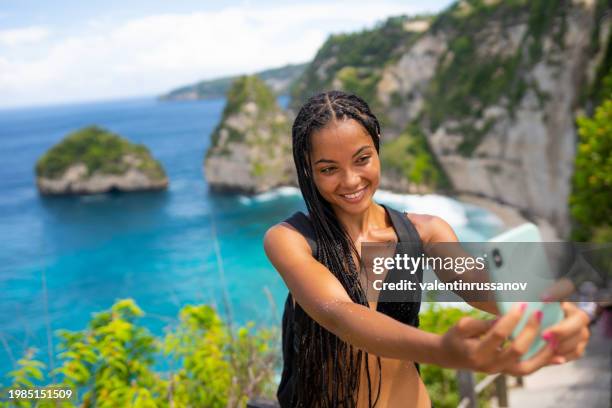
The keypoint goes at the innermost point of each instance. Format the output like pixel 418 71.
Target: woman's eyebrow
pixel 361 149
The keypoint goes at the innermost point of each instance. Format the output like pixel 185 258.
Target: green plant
pixel 112 362
pixel 591 201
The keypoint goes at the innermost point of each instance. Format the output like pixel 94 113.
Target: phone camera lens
pixel 497 258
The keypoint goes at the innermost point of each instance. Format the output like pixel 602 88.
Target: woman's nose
pixel 351 179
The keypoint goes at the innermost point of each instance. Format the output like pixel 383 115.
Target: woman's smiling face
pixel 345 165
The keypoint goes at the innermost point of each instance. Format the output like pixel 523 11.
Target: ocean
pixel 64 258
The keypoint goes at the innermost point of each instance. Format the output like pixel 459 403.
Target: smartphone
pixel 518 255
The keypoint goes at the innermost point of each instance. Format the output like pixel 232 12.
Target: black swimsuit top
pixel 405 312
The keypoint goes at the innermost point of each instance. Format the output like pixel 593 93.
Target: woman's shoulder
pixel 432 228
pixel 292 233
pixel 285 239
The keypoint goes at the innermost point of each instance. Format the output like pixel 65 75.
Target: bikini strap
pixel 405 229
pixel 303 225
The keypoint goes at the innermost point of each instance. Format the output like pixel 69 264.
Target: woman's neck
pixel 358 225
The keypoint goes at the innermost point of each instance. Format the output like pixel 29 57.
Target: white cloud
pixel 152 54
pixel 22 36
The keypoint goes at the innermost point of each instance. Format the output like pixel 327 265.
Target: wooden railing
pixel 262 403
pixel 468 390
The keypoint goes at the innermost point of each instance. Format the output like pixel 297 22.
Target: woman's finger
pixel 523 341
pixel 543 357
pixel 570 343
pixel 470 327
pixel 492 341
pixel 575 320
pixel 576 353
pixel 558 360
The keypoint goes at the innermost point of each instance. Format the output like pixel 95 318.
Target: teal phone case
pixel 523 263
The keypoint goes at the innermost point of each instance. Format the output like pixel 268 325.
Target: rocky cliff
pixel 250 149
pixel 93 160
pixel 492 86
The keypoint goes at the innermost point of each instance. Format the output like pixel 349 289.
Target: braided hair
pixel 327 367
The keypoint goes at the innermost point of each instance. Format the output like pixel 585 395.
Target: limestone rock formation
pixel 250 149
pixel 93 160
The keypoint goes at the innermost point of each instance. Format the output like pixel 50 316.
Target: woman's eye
pixel 363 159
pixel 328 170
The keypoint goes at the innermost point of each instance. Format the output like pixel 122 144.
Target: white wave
pixel 489 218
pixel 451 210
pixel 270 195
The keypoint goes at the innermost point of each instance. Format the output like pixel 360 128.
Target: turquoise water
pixel 157 248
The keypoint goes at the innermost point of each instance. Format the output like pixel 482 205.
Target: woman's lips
pixel 354 197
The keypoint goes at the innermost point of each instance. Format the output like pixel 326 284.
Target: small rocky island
pixel 250 149
pixel 93 160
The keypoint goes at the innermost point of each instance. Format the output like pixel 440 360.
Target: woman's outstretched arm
pixel 438 238
pixel 474 344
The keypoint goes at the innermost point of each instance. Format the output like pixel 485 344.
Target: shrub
pixel 591 201
pixel 112 362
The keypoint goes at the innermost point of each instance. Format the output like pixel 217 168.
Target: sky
pixel 67 51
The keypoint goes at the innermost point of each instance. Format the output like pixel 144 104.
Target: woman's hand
pixel 568 338
pixel 479 344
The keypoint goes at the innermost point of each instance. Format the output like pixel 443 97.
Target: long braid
pixel 328 369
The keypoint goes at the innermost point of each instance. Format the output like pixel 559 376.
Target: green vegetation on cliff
pixel 354 59
pixel 409 156
pixel 466 82
pixel 101 151
pixel 244 90
pixel 249 89
pixel 253 137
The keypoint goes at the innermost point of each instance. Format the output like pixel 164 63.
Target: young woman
pixel 339 349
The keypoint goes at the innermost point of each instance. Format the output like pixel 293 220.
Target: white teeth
pixel 354 195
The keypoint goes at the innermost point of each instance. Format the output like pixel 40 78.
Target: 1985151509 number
pixel 39 393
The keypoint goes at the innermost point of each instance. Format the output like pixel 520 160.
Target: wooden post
pixel 465 382
pixel 262 403
pixel 501 391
